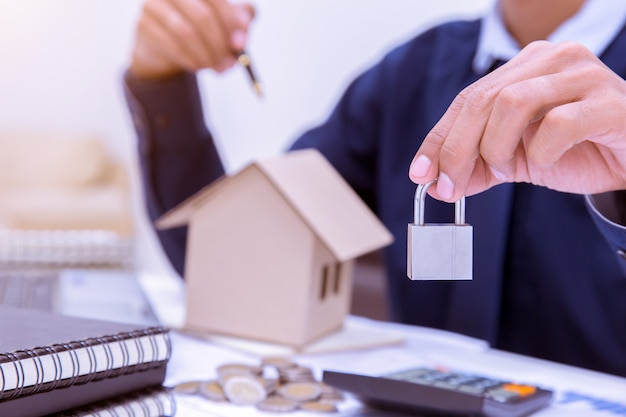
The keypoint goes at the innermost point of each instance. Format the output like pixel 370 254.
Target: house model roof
pixel 316 192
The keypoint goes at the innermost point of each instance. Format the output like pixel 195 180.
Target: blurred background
pixel 67 147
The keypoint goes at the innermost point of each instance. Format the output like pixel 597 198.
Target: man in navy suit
pixel 539 143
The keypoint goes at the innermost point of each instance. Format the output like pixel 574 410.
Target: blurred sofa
pixel 64 193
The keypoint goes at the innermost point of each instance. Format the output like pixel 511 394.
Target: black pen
pixel 244 59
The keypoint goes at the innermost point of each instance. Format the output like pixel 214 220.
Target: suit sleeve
pixel 177 154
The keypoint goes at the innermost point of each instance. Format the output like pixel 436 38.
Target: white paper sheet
pixel 579 393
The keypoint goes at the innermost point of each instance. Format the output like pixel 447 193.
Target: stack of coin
pixel 239 369
pixel 278 362
pixel 330 394
pixel 296 374
pixel 278 385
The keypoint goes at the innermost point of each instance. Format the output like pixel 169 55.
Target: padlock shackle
pixel 459 211
pixel 420 202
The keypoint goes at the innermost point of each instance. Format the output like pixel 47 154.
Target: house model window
pixel 331 280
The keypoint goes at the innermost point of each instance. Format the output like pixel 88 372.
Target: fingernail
pixel 238 39
pixel 499 175
pixel 445 187
pixel 420 166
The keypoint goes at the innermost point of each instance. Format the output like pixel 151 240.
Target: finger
pixel 245 13
pixel 206 30
pixel 162 43
pixel 585 154
pixel 577 163
pixel 459 162
pixel 454 150
pixel 560 130
pixel 211 36
pixel 178 28
pixel 598 117
pixel 236 21
pixel 425 165
pixel 515 108
pixel 248 9
pixel 460 150
pixel 422 170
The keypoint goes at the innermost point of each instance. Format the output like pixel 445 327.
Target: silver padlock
pixel 439 251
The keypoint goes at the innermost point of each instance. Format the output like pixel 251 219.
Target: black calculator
pixel 435 392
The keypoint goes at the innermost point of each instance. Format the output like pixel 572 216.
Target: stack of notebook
pixel 51 363
pixel 65 248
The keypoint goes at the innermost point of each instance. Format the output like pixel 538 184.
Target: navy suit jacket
pixel 548 277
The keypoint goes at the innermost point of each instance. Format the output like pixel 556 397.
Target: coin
pixel 245 384
pixel 270 384
pixel 242 389
pixel 278 362
pixel 189 387
pixel 296 374
pixel 226 371
pixel 277 404
pixel 212 390
pixel 318 407
pixel 239 368
pixel 330 394
pixel 300 391
pixel 331 398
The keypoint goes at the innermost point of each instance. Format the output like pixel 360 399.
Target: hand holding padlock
pixel 439 251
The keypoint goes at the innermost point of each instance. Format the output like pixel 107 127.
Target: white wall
pixel 305 52
pixel 61 63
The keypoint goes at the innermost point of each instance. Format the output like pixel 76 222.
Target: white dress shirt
pixel 594 25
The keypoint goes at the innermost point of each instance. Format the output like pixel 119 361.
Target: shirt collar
pixel 595 25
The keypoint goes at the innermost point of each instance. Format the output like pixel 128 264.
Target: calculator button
pixel 521 390
pixel 486 384
pixel 462 380
pixel 470 389
pixel 445 384
pixel 502 396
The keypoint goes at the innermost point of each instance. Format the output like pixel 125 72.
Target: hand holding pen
pixel 173 36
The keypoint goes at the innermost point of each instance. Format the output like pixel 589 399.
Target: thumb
pixel 240 18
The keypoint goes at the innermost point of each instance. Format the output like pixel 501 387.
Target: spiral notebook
pixel 159 402
pixel 50 362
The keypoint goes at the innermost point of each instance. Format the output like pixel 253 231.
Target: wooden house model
pixel 271 250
